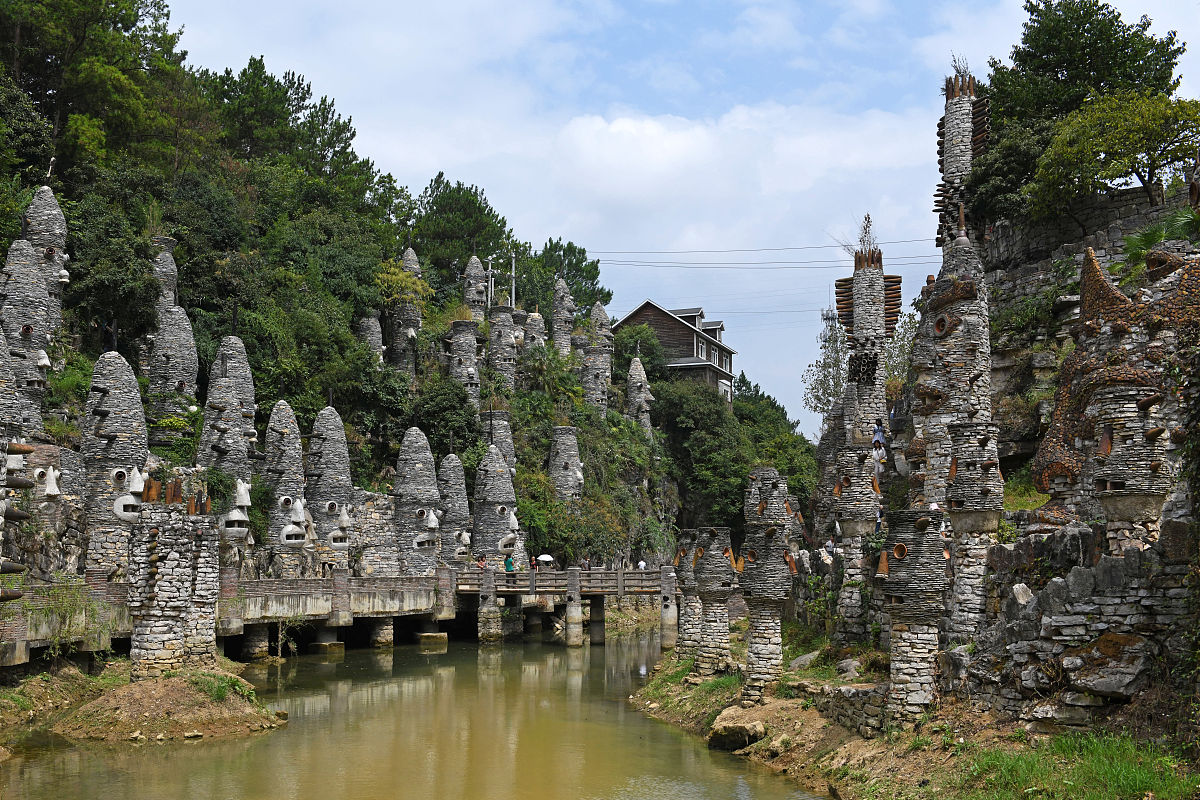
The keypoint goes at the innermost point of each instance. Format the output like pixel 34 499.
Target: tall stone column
pixel 912 574
pixel 418 505
pixel 714 582
pixel 329 493
pixel 463 353
pixel 456 521
pixel 502 344
pixel 766 578
pixel 974 505
pixel 490 624
pixel 857 501
pixel 256 642
pixel 574 615
pixel 566 468
pixel 25 318
pixel 638 397
pixel 563 317
pixel 596 621
pixel 690 610
pixel 289 550
pixel 405 325
pixel 475 283
pixel 669 618
pixel 496 532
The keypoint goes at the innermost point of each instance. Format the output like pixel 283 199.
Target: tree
pixel 1069 50
pixel 774 436
pixel 896 350
pixel 454 222
pixel 1110 140
pixel 825 378
pixel 640 341
pixel 569 261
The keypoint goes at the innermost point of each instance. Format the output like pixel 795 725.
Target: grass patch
pixel 218 686
pixel 1080 767
pixel 1020 493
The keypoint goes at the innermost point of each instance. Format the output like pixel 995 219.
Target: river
pixel 533 721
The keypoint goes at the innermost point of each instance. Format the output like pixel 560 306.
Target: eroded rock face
pixel 418 504
pixel 328 493
pixel 114 452
pixel 496 531
pixel 456 521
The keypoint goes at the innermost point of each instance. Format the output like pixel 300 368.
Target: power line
pixel 754 266
pixel 747 249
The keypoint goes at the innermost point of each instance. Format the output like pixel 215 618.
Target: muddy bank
pixel 958 752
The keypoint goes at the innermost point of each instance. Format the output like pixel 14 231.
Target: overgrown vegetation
pixel 1020 492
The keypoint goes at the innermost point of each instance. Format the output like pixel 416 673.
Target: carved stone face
pixel 127 505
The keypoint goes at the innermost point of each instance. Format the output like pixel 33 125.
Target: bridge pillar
pixel 383 634
pixel 691 615
pixel 669 621
pixel 327 641
pixel 533 622
pixel 490 623
pixel 255 643
pixel 574 616
pixel 596 626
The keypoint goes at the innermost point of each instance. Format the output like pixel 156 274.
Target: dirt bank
pixel 108 707
pixel 957 752
pixel 203 705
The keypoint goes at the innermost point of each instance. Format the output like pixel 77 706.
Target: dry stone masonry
pixel 418 504
pixel 456 519
pixel 405 325
pixel 328 493
pixel 691 612
pixel 562 319
pixel 462 352
pixel 766 577
pixel 502 345
pixel 565 466
pixel 290 547
pixel 475 288
pixel 713 564
pixel 496 533
pixel 637 396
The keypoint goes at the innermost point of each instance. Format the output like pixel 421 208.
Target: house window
pixel 701 349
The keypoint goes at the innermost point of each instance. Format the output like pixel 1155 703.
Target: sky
pixel 634 128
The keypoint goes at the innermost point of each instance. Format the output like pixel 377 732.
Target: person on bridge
pixel 642 564
pixel 508 563
pixel 480 562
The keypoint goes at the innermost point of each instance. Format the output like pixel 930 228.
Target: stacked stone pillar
pixel 535 330
pixel 25 318
pixel 638 397
pixel 565 467
pixel 690 609
pixel 496 533
pixel 418 506
pixel 462 357
pixel 497 430
pixel 574 611
pixel 173 590
pixel 45 228
pixel 405 325
pixel 456 519
pixel 912 575
pixel 562 321
pixel 490 622
pixel 713 564
pixel 669 616
pixel 475 285
pixel 289 550
pixel 328 492
pixel 974 505
pixel 502 345
pixel 766 578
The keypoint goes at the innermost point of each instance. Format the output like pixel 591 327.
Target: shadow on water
pixel 525 721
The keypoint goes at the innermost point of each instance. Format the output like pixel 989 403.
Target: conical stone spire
pixel 114 450
pixel 475 288
pixel 418 503
pixel 26 321
pixel 637 395
pixel 291 540
pixel 563 317
pixel 456 521
pixel 496 532
pixel 328 492
pixel 45 228
pixel 173 366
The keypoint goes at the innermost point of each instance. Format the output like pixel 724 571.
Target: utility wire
pixel 747 249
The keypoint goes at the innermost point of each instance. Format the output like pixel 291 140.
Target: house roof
pixel 705 336
pixel 716 323
pixel 687 312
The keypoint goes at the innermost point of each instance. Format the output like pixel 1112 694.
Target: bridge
pixel 63 613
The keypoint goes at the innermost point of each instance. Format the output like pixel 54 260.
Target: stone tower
pixel 173 366
pixel 166 271
pixel 565 466
pixel 502 345
pixel 45 228
pixel 290 546
pixel 691 613
pixel 114 452
pixel 224 443
pixel 418 504
pixel 766 578
pixel 497 429
pixel 405 325
pixel 713 564
pixel 638 397
pixel 328 492
pixel 13 405
pixel 496 531
pixel 456 517
pixel 370 333
pixel 535 330
pixel 475 283
pixel 462 355
pixel 25 317
pixel 562 320
pixel 962 135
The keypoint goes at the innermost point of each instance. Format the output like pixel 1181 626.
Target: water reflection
pixel 524 722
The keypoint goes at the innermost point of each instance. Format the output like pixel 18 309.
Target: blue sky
pixel 662 125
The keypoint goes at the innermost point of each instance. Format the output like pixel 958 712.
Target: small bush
pixel 218 686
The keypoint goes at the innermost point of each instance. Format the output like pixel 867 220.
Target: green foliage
pixel 220 487
pixel 825 377
pixel 569 261
pixel 640 341
pixel 184 435
pixel 711 453
pixel 1069 50
pixel 1020 492
pixel 774 437
pixel 64 610
pixel 447 417
pixel 1183 223
pixel 218 686
pixel 1111 139
pixel 68 387
pixel 1084 766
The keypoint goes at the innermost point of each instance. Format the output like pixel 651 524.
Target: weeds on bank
pixel 218 686
pixel 1080 767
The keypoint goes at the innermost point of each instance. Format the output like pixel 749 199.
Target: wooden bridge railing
pixel 615 582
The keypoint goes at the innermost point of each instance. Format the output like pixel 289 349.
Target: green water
pixel 535 722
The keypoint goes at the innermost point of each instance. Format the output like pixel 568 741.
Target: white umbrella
pixel 545 557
